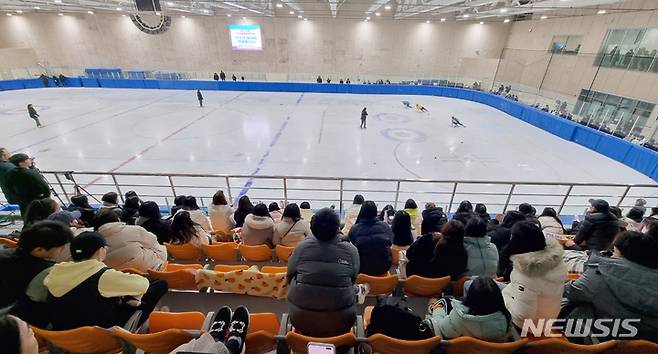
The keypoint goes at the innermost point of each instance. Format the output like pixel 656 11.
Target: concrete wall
pixel 384 49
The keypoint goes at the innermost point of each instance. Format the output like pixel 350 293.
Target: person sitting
pixel 130 211
pixel 292 229
pixel 634 218
pixel 275 212
pixel 401 227
pixel 481 314
pixel 537 274
pixel 111 201
pixel 178 204
pixel 373 240
pixel 322 266
pixel 38 210
pixel 352 213
pixel 386 215
pixel 81 203
pixel 129 246
pixel 16 335
pixel 185 230
pixel 482 255
pixel 481 212
pixel 151 220
pixel 439 218
pixel 305 209
pixel 599 228
pixel 86 292
pixel 529 212
pixel 244 208
pixel 550 222
pixel 227 334
pixel 464 212
pixel 501 235
pixel 220 214
pixel 411 208
pixel 621 285
pixel 197 215
pixel 26 266
pixel 438 253
pixel 70 219
pixel 258 228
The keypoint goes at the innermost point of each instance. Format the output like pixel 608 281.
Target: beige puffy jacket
pixel 131 246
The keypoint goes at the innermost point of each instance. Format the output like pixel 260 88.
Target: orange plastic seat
pixel 9 243
pixel 395 253
pixel 230 268
pixel 298 343
pixel 172 267
pixel 470 345
pixel 379 285
pixel 386 345
pixel 82 340
pixel 133 271
pixel 458 287
pixel 221 252
pixel 573 276
pixel 182 279
pixel 562 346
pixel 167 331
pixel 283 252
pixel 633 347
pixel 273 269
pixel 260 253
pixel 184 252
pixel 425 287
pixel 260 336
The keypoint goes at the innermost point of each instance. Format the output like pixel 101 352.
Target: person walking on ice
pixel 364 115
pixel 199 96
pixel 456 123
pixel 34 115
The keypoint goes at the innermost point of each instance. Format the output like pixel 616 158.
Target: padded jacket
pixel 482 256
pixel 131 246
pixel 598 230
pixel 373 239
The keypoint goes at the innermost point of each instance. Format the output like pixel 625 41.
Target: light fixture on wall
pixel 368 18
pixel 279 5
pixel 378 13
pixel 61 14
pixel 124 15
pixel 466 16
pixel 10 15
pixel 183 16
pixel 19 11
pixel 299 17
pixel 305 19
pixel 157 14
pixel 205 11
pixel 90 12
pixel 543 17
pixel 119 9
pixel 503 10
pixel 37 8
pixel 506 20
pixel 481 22
pixel 228 15
pixel 292 12
pixel 443 20
pixel 387 7
pixel 428 21
pixel 601 12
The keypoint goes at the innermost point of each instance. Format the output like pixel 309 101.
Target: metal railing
pixel 498 196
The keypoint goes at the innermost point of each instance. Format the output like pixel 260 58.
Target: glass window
pixel 565 44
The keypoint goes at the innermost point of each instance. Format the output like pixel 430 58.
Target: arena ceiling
pixel 373 10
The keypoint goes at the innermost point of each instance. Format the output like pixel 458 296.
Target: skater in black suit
pixel 364 115
pixel 33 114
pixel 457 123
pixel 199 96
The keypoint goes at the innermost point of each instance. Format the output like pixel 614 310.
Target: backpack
pixel 391 317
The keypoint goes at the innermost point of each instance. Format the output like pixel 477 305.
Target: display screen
pixel 245 37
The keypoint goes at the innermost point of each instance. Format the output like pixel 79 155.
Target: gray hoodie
pixel 618 288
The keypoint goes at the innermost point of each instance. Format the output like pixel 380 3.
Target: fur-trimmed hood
pixel 538 263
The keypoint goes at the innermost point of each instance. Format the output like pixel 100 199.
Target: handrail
pixel 288 189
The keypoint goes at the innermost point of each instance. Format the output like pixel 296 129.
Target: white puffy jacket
pixel 131 246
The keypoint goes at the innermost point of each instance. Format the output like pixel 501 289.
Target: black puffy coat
pixel 27 184
pixel 373 240
pixel 422 261
pixel 598 230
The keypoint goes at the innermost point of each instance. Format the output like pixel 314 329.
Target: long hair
pixel 401 227
pixel 387 211
pixel 550 212
pixel 189 203
pixel 182 228
pixel 10 336
pixel 219 198
pixel 38 209
pixel 465 207
pixel 261 210
pixel 484 298
pixel 368 211
pixel 450 239
pixel 292 211
pixel 244 205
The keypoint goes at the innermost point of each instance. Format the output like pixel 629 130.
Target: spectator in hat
pixel 598 229
pixel 70 219
pixel 29 263
pixel 111 201
pixel 529 212
pixel 86 292
pixel 25 182
pixel 5 167
pixel 81 203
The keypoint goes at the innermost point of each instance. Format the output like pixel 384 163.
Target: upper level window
pixel 566 44
pixel 630 49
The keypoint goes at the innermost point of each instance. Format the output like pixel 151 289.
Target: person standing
pixel 222 75
pixel 199 96
pixel 33 114
pixel 5 167
pixel 215 77
pixel 364 116
pixel 26 182
pixel 234 78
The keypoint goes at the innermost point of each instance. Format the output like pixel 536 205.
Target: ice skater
pixel 34 115
pixel 406 104
pixel 364 116
pixel 456 123
pixel 199 96
pixel 421 108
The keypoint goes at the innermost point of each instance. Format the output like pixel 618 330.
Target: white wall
pixel 380 48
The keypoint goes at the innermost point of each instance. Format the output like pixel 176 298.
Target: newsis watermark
pixel 600 327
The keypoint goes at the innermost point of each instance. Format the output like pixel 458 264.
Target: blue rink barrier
pixel 637 157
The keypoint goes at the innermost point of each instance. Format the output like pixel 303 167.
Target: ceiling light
pixel 183 16
pixel 503 10
pixel 443 20
pixel 228 15
pixel 169 3
pixel 467 16
pixel 387 7
pixel 244 18
pixel 306 19
pixel 292 12
pixel 157 14
pixel 37 8
pixel 428 21
pixel 481 22
pixel 279 5
pixel 543 17
pixel 90 12
pixel 58 1
pixel 206 11
pixel 378 14
pixel 119 9
pixel 10 15
pixel 365 20
pixel 19 11
pixel 61 14
pixel 299 17
pixel 506 20
pixel 600 12
pixel 368 18
pixel 124 15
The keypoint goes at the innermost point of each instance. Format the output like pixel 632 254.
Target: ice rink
pixel 292 134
